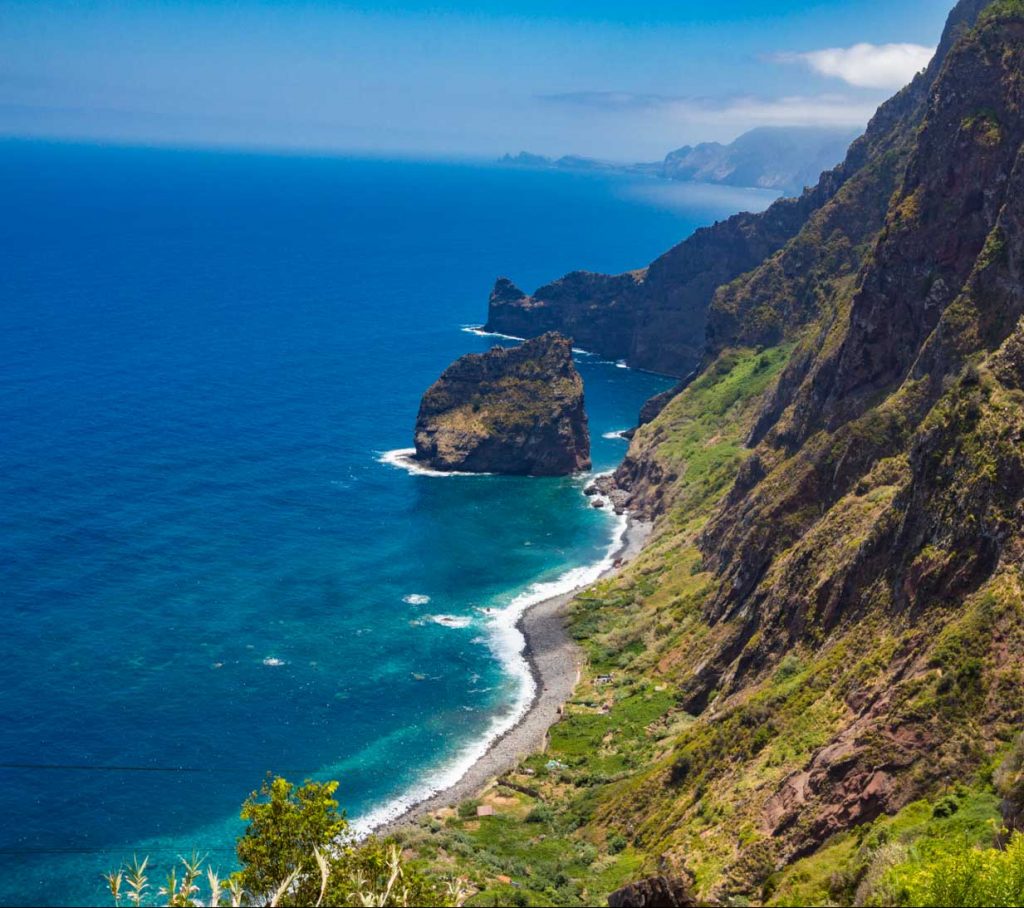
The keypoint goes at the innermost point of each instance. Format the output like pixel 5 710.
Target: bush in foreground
pixel 296 851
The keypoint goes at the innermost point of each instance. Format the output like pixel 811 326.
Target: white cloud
pixel 737 111
pixel 796 110
pixel 866 65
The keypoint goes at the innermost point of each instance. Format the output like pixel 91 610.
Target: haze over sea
pixel 208 571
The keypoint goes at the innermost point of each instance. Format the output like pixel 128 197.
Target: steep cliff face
pixel 832 603
pixel 516 411
pixel 870 530
pixel 939 290
pixel 814 672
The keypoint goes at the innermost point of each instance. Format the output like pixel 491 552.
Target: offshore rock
pixel 512 410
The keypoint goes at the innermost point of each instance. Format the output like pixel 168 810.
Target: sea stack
pixel 515 410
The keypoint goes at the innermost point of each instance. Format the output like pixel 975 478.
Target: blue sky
pixel 623 80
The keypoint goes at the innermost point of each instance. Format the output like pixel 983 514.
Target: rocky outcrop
pixel 595 310
pixel 654 892
pixel 512 410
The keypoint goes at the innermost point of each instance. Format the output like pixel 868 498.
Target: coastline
pixel 555 661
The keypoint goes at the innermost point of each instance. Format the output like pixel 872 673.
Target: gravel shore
pixel 555 661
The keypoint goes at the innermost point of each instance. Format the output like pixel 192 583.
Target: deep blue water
pixel 204 562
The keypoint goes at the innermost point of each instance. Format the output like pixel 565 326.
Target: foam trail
pixel 616 434
pixel 451 620
pixel 508 644
pixel 404 459
pixel 478 330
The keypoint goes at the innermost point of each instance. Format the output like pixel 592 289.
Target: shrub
pixel 680 769
pixel 286 825
pixel 964 877
pixel 617 843
pixel 542 813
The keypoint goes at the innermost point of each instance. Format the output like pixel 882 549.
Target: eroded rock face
pixel 653 892
pixel 511 410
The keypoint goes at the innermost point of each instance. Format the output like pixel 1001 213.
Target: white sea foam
pixel 273 661
pixel 508 644
pixel 451 620
pixel 416 599
pixel 616 434
pixel 404 459
pixel 478 330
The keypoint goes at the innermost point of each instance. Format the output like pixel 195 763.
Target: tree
pixel 287 826
pixel 297 851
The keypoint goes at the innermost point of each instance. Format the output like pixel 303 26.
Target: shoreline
pixel 555 662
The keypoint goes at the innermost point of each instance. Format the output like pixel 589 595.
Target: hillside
pixel 808 688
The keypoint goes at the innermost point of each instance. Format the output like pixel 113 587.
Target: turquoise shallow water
pixel 208 572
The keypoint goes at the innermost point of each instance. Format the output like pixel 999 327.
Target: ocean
pixel 211 568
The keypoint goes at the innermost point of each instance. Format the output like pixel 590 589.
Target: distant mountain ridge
pixel 786 158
